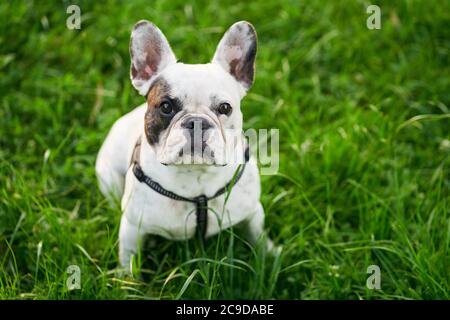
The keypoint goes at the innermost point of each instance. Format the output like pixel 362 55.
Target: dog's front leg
pixel 129 238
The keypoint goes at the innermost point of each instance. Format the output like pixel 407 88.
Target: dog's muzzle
pixel 196 133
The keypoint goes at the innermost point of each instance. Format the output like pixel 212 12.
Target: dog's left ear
pixel 236 52
pixel 150 54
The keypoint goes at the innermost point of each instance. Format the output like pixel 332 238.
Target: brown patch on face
pixel 158 90
pixel 154 121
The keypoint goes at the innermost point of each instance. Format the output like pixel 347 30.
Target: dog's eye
pixel 225 108
pixel 166 108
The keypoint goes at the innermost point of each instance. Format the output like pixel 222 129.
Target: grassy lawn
pixel 364 126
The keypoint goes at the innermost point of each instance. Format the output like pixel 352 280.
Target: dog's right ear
pixel 236 52
pixel 150 54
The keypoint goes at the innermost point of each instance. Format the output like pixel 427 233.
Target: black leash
pixel 201 201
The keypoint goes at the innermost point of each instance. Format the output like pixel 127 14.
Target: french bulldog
pixel 177 140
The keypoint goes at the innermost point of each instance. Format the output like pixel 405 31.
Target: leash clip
pixel 201 200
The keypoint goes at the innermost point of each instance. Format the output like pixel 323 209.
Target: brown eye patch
pixel 156 122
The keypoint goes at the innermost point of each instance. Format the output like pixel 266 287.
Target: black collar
pixel 200 201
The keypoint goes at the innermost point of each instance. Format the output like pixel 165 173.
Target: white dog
pixel 169 159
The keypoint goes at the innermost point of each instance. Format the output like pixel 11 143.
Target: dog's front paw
pixel 272 249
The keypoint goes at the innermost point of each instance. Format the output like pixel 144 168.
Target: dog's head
pixel 193 113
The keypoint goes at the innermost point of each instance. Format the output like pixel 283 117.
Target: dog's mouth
pixel 198 153
pixel 209 146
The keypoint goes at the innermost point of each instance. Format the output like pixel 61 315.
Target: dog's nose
pixel 198 123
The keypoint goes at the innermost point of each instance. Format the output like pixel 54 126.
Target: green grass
pixel 364 155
